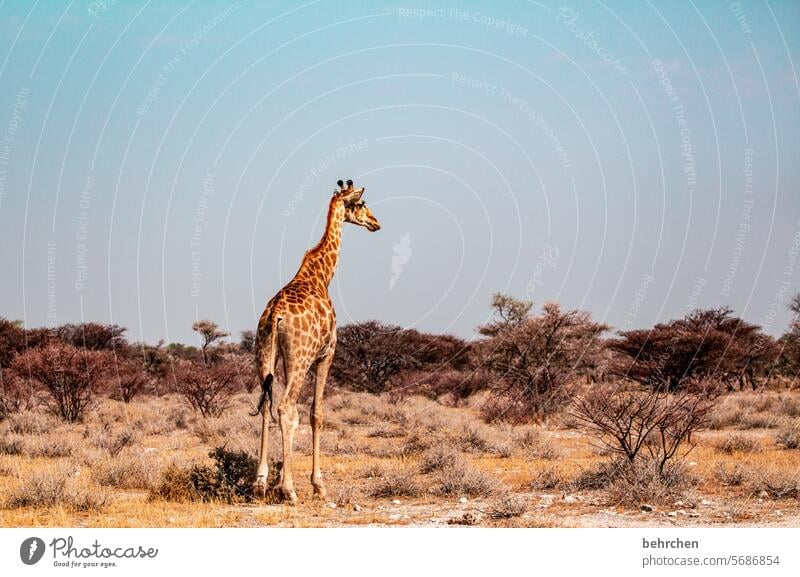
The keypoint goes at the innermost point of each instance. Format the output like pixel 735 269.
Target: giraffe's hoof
pixel 260 487
pixel 290 497
pixel 319 491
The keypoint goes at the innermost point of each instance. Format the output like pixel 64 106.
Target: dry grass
pixel 131 465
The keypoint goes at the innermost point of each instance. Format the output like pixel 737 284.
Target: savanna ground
pixel 411 462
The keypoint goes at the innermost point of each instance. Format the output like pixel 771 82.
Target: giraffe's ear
pixel 352 196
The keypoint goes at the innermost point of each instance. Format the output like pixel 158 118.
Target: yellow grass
pixel 366 434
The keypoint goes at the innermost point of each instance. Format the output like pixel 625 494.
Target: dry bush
pixel 533 444
pixel 508 506
pixel 549 478
pixel 113 444
pixel 386 432
pixel 463 478
pixel 630 422
pixel 738 443
pixel 29 423
pixel 647 482
pixel 789 406
pixel 759 421
pixel 788 437
pixel 726 416
pixel 54 488
pixel 397 483
pixel 438 458
pixel 346 494
pixel 733 476
pixel 11 444
pixel 776 484
pixel 129 470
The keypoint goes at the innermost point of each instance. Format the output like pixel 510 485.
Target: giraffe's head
pixel 355 209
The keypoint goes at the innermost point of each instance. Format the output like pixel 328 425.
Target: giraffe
pixel 299 324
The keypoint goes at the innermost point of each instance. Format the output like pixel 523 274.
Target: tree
pixel 209 334
pixel 705 345
pixel 374 357
pixel 69 376
pixel 16 394
pixel 247 343
pixel 129 379
pixel 12 340
pixel 534 358
pixel 92 336
pixel 208 387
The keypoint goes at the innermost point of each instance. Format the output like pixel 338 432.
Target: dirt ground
pixel 411 463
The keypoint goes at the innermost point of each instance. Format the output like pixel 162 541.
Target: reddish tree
pixel 534 358
pixel 209 387
pixel 705 345
pixel 69 376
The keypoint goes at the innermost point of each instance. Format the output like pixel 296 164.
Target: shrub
pixel 54 488
pixel 508 506
pixel 776 484
pixel 730 477
pixel 67 374
pixel 438 458
pixel 648 482
pixel 400 483
pixel 789 438
pixel 127 471
pixel 627 422
pixel 533 444
pixel 738 444
pixel 465 479
pixel 546 479
pixel 229 480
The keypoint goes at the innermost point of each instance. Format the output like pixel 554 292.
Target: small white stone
pixel 462 500
pixel 672 514
pixel 356 507
pixel 705 502
pixel 332 505
pixel 396 502
pixel 570 499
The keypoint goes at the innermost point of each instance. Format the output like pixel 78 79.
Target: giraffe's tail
pixel 266 355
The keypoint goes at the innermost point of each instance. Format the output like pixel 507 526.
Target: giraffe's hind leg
pixel 289 419
pixel 323 367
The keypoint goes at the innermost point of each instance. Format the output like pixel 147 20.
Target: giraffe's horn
pixel 349 184
pixel 340 183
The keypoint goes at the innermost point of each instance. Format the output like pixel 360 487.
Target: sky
pixel 164 162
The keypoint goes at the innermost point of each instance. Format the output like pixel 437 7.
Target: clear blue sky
pixel 167 161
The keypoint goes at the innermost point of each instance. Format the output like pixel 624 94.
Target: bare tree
pixel 630 421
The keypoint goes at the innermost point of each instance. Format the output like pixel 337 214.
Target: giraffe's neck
pixel 320 262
